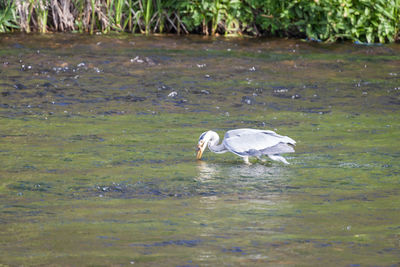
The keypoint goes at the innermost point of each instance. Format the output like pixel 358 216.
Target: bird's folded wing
pixel 251 142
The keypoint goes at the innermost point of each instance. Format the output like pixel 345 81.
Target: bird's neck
pixel 213 144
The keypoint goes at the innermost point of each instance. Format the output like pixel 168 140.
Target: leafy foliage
pixel 325 20
pixel 358 20
pixel 8 18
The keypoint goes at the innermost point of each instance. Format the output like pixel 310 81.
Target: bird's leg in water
pixel 246 160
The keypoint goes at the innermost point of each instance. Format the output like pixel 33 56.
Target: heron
pixel 247 143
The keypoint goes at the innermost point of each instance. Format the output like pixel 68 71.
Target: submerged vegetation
pixel 98 163
pixel 325 20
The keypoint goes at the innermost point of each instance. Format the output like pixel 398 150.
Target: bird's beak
pixel 200 150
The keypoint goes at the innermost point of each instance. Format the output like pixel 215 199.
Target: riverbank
pixel 319 20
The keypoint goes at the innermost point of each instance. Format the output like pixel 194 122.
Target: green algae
pixel 100 169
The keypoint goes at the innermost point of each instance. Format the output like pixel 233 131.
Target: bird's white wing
pixel 251 142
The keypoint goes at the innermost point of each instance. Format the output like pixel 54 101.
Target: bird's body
pixel 248 143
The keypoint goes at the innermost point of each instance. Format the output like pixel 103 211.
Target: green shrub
pixel 325 20
pixel 358 20
pixel 8 18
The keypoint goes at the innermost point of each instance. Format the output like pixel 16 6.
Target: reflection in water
pixel 257 180
pixel 206 171
pixel 209 171
pixel 240 200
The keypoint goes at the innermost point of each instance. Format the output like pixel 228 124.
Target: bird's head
pixel 202 144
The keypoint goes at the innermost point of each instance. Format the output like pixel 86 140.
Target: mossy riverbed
pixel 97 152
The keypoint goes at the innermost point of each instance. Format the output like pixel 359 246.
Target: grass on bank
pixel 320 20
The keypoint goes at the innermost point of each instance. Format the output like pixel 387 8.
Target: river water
pixel 98 138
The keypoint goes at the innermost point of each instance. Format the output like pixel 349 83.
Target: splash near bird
pixel 248 143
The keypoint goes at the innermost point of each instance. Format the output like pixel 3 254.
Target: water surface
pixel 97 152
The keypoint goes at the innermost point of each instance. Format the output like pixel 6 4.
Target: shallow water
pixel 97 160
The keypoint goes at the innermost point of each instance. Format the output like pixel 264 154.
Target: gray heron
pixel 247 143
